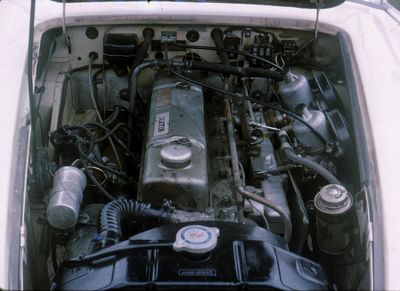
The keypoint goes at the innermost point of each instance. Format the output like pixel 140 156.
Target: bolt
pixel 209 211
pixel 84 218
pixel 123 94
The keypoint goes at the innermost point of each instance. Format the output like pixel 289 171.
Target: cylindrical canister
pixel 295 92
pixel 66 197
pixel 334 218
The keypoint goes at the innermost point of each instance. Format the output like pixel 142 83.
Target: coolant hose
pixel 117 210
pixel 132 88
pixel 291 156
pixel 232 70
pixel 133 82
pixel 148 35
pixel 216 35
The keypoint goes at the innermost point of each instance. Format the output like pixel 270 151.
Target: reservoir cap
pixel 333 199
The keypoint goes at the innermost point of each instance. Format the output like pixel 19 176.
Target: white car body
pixel 374 38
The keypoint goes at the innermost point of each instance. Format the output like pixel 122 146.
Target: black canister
pixel 334 221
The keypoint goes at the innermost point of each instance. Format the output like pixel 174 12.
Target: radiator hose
pixel 118 210
pixel 291 156
pixel 232 70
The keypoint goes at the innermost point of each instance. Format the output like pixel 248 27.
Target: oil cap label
pixel 161 124
pixel 164 97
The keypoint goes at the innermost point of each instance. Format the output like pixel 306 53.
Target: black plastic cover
pixel 120 48
pixel 246 257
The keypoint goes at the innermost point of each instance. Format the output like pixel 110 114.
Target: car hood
pixel 287 3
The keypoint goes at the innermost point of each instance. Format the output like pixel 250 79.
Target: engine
pixel 224 170
pixel 175 158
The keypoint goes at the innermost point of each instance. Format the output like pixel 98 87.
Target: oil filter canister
pixel 334 218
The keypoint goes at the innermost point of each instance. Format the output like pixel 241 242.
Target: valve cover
pixel 175 160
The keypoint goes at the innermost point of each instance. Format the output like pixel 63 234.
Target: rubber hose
pixel 216 35
pixel 117 210
pixel 113 117
pixel 148 35
pixel 239 71
pixel 291 156
pixel 132 88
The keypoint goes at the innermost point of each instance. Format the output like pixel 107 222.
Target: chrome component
pixel 66 197
pixel 259 125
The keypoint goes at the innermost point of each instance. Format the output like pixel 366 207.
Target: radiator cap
pixel 196 239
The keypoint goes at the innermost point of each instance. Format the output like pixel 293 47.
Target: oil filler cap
pixel 176 156
pixel 196 239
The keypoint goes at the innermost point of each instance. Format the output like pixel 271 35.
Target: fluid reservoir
pixel 66 197
pixel 334 218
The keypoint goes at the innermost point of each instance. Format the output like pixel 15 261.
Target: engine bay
pixel 194 158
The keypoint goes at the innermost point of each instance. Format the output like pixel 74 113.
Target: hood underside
pixel 291 3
